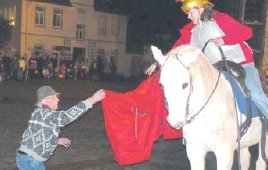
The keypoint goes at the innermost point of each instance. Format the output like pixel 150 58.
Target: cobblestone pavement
pixel 90 148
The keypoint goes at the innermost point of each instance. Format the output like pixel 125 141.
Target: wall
pixel 265 56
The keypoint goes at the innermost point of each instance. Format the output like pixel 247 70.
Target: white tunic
pixel 205 31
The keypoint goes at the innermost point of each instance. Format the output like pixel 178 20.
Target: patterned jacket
pixel 40 138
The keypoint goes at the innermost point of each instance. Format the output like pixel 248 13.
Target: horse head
pixel 175 78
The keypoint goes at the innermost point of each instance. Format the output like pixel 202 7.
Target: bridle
pixel 189 119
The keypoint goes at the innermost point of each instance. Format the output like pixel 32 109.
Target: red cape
pixel 135 120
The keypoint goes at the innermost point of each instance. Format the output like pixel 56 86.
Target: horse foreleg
pixel 224 156
pixel 261 164
pixel 244 158
pixel 196 155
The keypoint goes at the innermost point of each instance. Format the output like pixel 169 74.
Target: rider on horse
pixel 221 30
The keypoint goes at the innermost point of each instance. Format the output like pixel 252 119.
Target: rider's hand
pixel 218 41
pixel 150 69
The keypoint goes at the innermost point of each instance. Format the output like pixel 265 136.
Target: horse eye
pixel 184 85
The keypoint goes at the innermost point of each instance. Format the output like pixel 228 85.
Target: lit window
pixel 57 18
pixel 40 16
pixel 80 32
pixel 9 13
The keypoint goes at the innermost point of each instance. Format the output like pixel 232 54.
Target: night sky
pixel 147 19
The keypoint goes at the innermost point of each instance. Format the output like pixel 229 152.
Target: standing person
pixel 220 30
pixel 40 138
pixel 21 69
pixel 7 66
pixel 26 71
pixel 32 63
pixel 15 66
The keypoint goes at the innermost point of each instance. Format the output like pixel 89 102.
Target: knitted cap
pixel 44 92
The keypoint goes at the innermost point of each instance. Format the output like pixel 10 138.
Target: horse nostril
pixel 184 85
pixel 170 122
pixel 175 124
pixel 179 125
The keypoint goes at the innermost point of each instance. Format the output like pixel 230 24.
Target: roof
pixel 58 2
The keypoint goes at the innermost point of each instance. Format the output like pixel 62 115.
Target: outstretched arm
pixel 97 96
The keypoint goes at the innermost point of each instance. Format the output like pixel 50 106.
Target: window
pixel 80 32
pixel 115 26
pixel 9 13
pixel 91 50
pixel 57 18
pixel 113 58
pixel 3 12
pixel 102 25
pixel 39 16
pixel 101 53
pixel 38 48
pixel 67 42
pixel 254 11
pixel 81 11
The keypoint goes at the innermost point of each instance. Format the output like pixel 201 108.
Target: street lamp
pixel 12 22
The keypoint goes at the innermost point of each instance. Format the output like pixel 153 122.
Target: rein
pixel 187 121
pixel 204 105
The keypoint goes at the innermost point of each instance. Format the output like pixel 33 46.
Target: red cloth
pixel 135 120
pixel 235 33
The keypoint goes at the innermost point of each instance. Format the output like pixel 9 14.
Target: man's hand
pixel 64 142
pixel 97 96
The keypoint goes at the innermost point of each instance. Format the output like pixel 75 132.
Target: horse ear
pixel 158 55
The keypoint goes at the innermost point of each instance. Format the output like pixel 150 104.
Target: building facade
pixel 70 30
pixel 254 14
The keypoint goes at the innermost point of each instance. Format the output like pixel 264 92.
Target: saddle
pixel 237 71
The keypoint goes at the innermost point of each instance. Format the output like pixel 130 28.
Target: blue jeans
pixel 25 162
pixel 253 83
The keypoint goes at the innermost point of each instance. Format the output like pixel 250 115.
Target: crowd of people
pixel 36 67
pixel 23 68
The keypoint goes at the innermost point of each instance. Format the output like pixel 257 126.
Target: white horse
pixel 201 101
